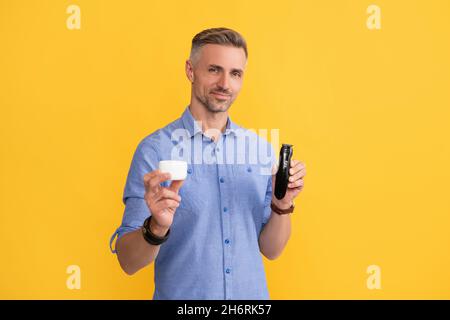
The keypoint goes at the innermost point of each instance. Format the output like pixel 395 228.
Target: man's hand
pixel 295 185
pixel 161 201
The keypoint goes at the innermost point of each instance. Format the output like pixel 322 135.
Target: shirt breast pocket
pixel 251 182
pixel 191 193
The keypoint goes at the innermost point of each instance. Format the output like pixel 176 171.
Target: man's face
pixel 218 73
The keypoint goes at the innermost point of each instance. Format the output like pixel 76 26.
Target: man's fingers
pixel 149 175
pixel 296 184
pixel 156 179
pixel 274 168
pixel 166 203
pixel 166 193
pixel 296 166
pixel 298 175
pixel 176 185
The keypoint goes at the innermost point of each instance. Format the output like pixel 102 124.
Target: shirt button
pixel 228 270
pixel 225 209
pixel 227 241
pixel 217 149
pixel 222 179
pixel 249 169
pixel 189 171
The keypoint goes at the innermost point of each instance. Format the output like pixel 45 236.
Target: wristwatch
pixel 150 237
pixel 282 211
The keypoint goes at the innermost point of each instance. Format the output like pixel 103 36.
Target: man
pixel 206 233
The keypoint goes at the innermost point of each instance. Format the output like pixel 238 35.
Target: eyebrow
pixel 220 68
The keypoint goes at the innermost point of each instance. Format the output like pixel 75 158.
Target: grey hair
pixel 221 36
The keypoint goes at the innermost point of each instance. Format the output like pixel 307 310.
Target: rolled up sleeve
pixel 145 159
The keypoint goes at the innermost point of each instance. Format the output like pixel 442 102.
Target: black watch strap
pixel 150 237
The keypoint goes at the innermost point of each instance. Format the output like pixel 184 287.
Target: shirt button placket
pixel 224 189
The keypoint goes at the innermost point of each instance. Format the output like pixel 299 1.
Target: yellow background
pixel 367 111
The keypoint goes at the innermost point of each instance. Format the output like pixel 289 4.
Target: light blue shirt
pixel 212 251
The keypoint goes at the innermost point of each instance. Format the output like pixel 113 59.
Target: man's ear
pixel 189 71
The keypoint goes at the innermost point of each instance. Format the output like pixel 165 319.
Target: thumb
pixel 274 174
pixel 176 185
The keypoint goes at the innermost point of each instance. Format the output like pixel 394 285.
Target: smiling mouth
pixel 219 95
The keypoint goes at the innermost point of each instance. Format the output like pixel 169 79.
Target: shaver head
pixel 282 176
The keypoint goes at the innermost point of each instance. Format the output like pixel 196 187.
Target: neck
pixel 216 122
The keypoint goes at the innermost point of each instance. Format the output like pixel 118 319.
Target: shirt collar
pixel 193 127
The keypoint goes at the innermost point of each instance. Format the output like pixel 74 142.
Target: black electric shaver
pixel 282 177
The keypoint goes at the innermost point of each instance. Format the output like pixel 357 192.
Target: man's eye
pixel 212 70
pixel 237 74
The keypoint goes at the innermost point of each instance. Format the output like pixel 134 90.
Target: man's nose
pixel 224 82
